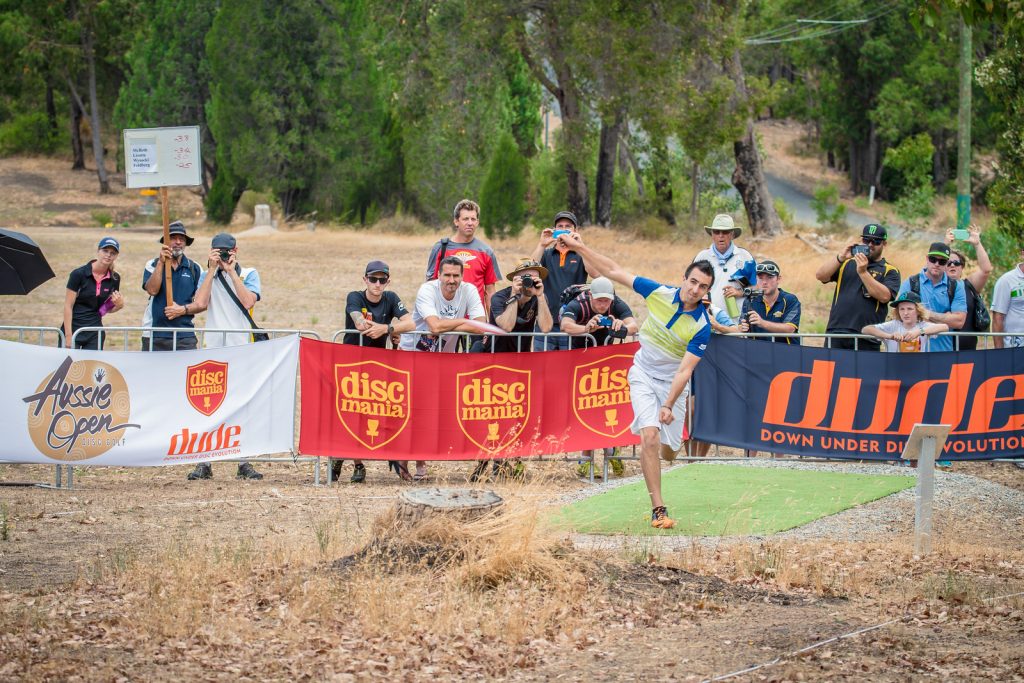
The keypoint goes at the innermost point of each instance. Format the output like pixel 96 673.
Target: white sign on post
pixel 162 157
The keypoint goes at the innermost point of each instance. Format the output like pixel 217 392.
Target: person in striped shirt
pixel 673 339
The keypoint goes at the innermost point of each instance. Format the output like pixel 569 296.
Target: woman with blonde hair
pixel 908 331
pixel 93 290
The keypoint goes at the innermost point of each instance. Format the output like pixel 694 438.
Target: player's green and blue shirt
pixel 669 332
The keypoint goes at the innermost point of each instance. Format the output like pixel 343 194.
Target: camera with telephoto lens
pixel 605 321
pixel 528 282
pixel 225 255
pixel 859 249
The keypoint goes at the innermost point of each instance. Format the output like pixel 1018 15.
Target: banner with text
pixel 121 408
pixel 838 403
pixel 376 404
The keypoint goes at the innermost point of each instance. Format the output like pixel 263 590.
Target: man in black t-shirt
pixel 520 308
pixel 373 310
pixel 599 313
pixel 379 315
pixel 865 284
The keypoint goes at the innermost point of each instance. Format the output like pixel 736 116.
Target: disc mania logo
pixel 373 401
pixel 493 405
pixel 600 398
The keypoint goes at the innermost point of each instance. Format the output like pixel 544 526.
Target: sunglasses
pixel 955 264
pixel 767 268
pixel 937 260
pixel 872 240
pixel 377 279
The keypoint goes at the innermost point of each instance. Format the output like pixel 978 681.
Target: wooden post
pixel 924 443
pixel 165 210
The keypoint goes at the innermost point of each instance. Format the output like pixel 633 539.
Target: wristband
pixel 391 329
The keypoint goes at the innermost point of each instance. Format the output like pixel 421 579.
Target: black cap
pixel 875 230
pixel 178 228
pixel 566 214
pixel 939 249
pixel 377 267
pixel 223 240
pixel 908 296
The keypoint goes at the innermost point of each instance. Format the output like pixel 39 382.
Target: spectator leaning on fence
pixel 908 331
pixel 1008 306
pixel 442 305
pixel 726 258
pixel 672 341
pixel 598 312
pixel 865 283
pixel 228 292
pixel 565 268
pixel 93 290
pixel 943 297
pixel 378 314
pixel 185 275
pixel 772 309
pixel 478 259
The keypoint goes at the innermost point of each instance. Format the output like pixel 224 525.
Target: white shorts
pixel 647 396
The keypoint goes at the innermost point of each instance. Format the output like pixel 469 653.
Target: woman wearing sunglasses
pixel 973 283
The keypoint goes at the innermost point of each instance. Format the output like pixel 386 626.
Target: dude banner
pixel 120 408
pixel 838 403
pixel 367 403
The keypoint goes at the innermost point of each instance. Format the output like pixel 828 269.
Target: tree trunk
pixel 695 196
pixel 94 116
pixel 77 150
pixel 51 109
pixel 605 182
pixel 662 175
pixel 748 178
pixel 628 162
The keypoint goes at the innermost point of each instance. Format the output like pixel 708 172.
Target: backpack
pixel 980 314
pixel 572 292
pixel 579 293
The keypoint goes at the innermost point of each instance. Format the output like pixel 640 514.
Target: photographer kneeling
pixel 770 309
pixel 599 313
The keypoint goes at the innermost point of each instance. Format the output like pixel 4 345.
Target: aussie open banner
pixel 367 403
pixel 839 403
pixel 124 408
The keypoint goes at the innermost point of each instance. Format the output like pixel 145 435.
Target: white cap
pixel 602 288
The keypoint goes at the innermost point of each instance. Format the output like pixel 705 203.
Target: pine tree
pixel 503 198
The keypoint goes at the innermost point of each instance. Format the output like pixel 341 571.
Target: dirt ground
pixel 137 574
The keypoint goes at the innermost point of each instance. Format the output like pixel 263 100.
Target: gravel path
pixel 957 496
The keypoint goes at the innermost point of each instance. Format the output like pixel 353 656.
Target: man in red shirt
pixel 479 262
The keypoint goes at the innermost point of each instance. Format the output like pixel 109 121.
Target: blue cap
pixel 109 242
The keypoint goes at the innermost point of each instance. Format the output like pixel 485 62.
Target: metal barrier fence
pixel 827 338
pixel 463 340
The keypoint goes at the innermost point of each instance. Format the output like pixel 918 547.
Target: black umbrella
pixel 22 264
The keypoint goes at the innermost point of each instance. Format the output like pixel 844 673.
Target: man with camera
pixel 769 308
pixel 672 341
pixel 228 292
pixel 599 313
pixel 865 284
pixel 519 308
pixel 565 268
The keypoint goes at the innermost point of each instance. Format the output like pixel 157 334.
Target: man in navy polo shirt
pixel 775 311
pixel 185 274
pixel 564 267
pixel 945 299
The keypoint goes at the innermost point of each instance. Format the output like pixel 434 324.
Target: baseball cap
pixel 566 214
pixel 939 249
pixel 109 242
pixel 602 288
pixel 908 296
pixel 223 240
pixel 377 267
pixel 875 230
pixel 178 228
pixel 768 267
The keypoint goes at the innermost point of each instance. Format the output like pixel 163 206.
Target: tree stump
pixel 416 505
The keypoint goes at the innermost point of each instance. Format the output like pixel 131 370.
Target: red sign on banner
pixel 206 385
pixel 361 402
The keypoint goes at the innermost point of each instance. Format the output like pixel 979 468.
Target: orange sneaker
pixel 660 518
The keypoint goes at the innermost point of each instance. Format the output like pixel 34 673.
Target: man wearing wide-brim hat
pixel 726 258
pixel 521 307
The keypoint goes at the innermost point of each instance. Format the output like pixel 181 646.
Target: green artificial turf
pixel 722 500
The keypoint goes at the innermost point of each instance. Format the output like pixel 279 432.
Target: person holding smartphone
pixel 564 268
pixel 973 283
pixel 865 284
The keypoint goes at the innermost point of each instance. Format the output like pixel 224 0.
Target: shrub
pixel 785 213
pixel 827 208
pixel 28 134
pixel 503 197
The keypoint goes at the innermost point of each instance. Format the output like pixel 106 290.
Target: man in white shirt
pixel 224 290
pixel 726 258
pixel 442 305
pixel 1008 306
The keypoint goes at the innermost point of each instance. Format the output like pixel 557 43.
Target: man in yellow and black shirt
pixel 865 284
pixel 773 310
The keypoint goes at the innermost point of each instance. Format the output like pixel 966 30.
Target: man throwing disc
pixel 672 341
